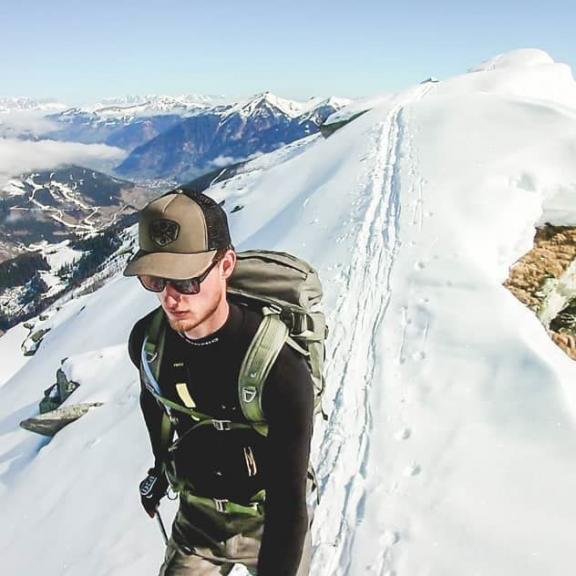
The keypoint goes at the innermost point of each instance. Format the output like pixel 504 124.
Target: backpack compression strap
pixel 260 357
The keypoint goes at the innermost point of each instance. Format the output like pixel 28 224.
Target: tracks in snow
pixel 354 345
pixel 347 438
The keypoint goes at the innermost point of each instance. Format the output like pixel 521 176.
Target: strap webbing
pixel 151 360
pixel 226 506
pixel 154 343
pixel 258 361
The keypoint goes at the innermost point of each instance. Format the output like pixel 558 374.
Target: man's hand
pixel 152 490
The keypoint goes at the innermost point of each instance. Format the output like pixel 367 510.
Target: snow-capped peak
pixel 23 104
pixel 317 102
pixel 153 105
pixel 291 108
pixel 247 107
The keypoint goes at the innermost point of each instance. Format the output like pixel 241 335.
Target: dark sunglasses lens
pixel 152 283
pixel 188 286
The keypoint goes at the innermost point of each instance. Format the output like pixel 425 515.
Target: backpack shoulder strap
pixel 153 345
pixel 150 362
pixel 260 357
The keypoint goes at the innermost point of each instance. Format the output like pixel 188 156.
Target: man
pixel 242 494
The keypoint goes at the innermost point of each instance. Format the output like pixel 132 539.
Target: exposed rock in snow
pixel 545 280
pixel 535 274
pixel 49 423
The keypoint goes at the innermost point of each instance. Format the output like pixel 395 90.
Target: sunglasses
pixel 186 286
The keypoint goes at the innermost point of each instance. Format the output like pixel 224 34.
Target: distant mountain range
pixel 225 135
pixel 125 122
pixel 56 229
pixel 55 205
pixel 181 138
pixel 46 105
pixel 175 139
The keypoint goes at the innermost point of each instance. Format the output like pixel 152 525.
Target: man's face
pixel 187 311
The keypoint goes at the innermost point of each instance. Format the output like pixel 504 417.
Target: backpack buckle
pixel 222 425
pixel 220 504
pixel 271 308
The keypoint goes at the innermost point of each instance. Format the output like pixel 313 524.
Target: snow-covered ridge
pixel 523 58
pixel 530 75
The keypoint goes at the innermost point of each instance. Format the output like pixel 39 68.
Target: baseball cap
pixel 179 234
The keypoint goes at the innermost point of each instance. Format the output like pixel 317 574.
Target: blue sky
pixel 83 51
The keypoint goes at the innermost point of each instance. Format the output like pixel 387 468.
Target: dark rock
pixel 50 423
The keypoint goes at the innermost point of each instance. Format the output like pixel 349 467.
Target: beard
pixel 193 318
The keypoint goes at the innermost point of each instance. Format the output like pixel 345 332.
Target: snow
pixel 14 187
pixel 315 102
pixel 522 58
pixel 144 106
pixel 449 448
pixel 558 293
pixel 291 108
pixel 12 362
pixel 57 255
pixel 357 107
pixel 29 104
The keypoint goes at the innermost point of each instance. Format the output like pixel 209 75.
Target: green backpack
pixel 288 292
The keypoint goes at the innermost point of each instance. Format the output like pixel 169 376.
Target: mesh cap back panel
pixel 216 221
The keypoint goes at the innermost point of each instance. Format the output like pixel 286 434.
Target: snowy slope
pixel 449 449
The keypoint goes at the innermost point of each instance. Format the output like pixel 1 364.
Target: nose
pixel 171 296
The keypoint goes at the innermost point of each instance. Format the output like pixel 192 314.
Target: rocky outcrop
pixel 567 342
pixel 544 279
pixel 57 393
pixel 53 417
pixel 554 250
pixel 33 341
pixel 225 135
pixel 328 128
pixel 51 422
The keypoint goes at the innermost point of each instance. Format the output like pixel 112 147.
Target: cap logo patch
pixel 163 232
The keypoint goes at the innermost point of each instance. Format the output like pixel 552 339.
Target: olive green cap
pixel 179 235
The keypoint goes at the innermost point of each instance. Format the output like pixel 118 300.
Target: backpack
pixel 288 292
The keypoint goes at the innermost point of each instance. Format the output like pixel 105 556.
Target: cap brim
pixel 169 264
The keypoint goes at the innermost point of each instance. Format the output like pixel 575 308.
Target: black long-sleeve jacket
pixel 215 462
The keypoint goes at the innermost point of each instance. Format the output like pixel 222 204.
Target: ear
pixel 228 263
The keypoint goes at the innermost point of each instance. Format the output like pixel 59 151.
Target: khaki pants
pixel 237 550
